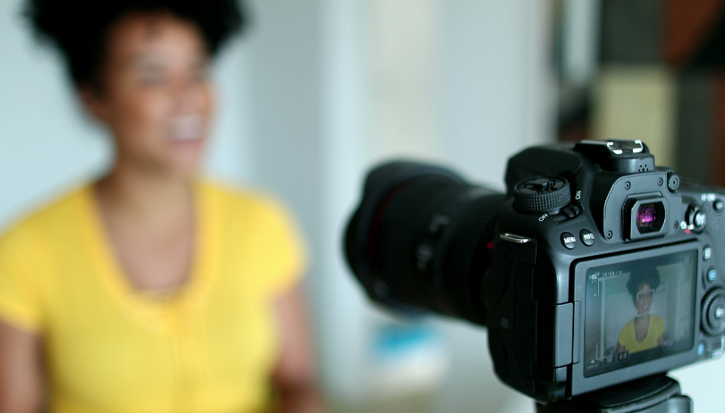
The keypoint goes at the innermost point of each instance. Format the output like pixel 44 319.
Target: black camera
pixel 595 268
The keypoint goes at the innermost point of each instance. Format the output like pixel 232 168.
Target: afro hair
pixel 638 278
pixel 79 28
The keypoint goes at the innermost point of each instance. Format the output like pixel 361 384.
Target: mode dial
pixel 543 194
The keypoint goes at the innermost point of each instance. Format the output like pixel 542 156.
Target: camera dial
pixel 542 194
pixel 713 312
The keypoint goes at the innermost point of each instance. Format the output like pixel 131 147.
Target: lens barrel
pixel 421 240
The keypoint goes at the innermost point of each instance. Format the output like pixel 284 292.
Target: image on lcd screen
pixel 638 311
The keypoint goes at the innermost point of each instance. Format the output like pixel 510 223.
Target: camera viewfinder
pixel 645 218
pixel 650 217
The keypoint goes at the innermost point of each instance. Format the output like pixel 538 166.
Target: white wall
pixel 498 89
pixel 475 90
pixel 46 144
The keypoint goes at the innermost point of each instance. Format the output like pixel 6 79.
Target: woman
pixel 149 290
pixel 645 331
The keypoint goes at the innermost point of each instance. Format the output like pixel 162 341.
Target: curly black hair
pixel 644 276
pixel 79 28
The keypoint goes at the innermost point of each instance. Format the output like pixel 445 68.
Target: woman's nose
pixel 188 96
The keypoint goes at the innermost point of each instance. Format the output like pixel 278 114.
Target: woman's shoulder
pixel 237 199
pixel 261 222
pixel 629 326
pixel 60 214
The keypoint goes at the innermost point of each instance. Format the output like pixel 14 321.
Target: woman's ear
pixel 93 103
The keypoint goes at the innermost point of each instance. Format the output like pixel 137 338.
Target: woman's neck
pixel 144 197
pixel 641 321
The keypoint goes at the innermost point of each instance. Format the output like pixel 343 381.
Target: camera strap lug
pixel 517 239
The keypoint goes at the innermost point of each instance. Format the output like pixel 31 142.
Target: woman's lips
pixel 187 128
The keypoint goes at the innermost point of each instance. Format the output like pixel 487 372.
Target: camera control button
pixel 587 237
pixel 711 274
pixel 700 219
pixel 695 218
pixel 718 206
pixel 571 211
pixel 568 240
pixel 701 349
pixel 707 253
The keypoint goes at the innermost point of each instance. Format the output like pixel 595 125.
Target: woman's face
pixel 643 301
pixel 154 93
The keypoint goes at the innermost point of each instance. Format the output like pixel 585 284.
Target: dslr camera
pixel 595 268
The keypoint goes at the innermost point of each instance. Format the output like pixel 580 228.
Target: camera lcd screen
pixel 639 311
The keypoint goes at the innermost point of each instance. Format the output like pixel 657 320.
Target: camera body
pixel 580 225
pixel 596 268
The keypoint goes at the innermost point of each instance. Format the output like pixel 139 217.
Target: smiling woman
pixel 646 331
pixel 149 289
pixel 155 96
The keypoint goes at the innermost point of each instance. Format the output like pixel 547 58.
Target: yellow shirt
pixel 628 339
pixel 209 348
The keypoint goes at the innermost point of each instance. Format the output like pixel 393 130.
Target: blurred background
pixel 319 90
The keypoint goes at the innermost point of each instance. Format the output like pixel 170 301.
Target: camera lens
pixel 421 239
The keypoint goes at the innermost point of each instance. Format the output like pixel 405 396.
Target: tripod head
pixel 656 394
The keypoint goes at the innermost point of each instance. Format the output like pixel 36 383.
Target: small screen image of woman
pixel 645 331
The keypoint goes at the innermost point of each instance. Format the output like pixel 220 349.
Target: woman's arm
pixel 294 377
pixel 21 373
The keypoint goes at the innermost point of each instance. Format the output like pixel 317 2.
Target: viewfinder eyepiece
pixel 650 217
pixel 645 218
